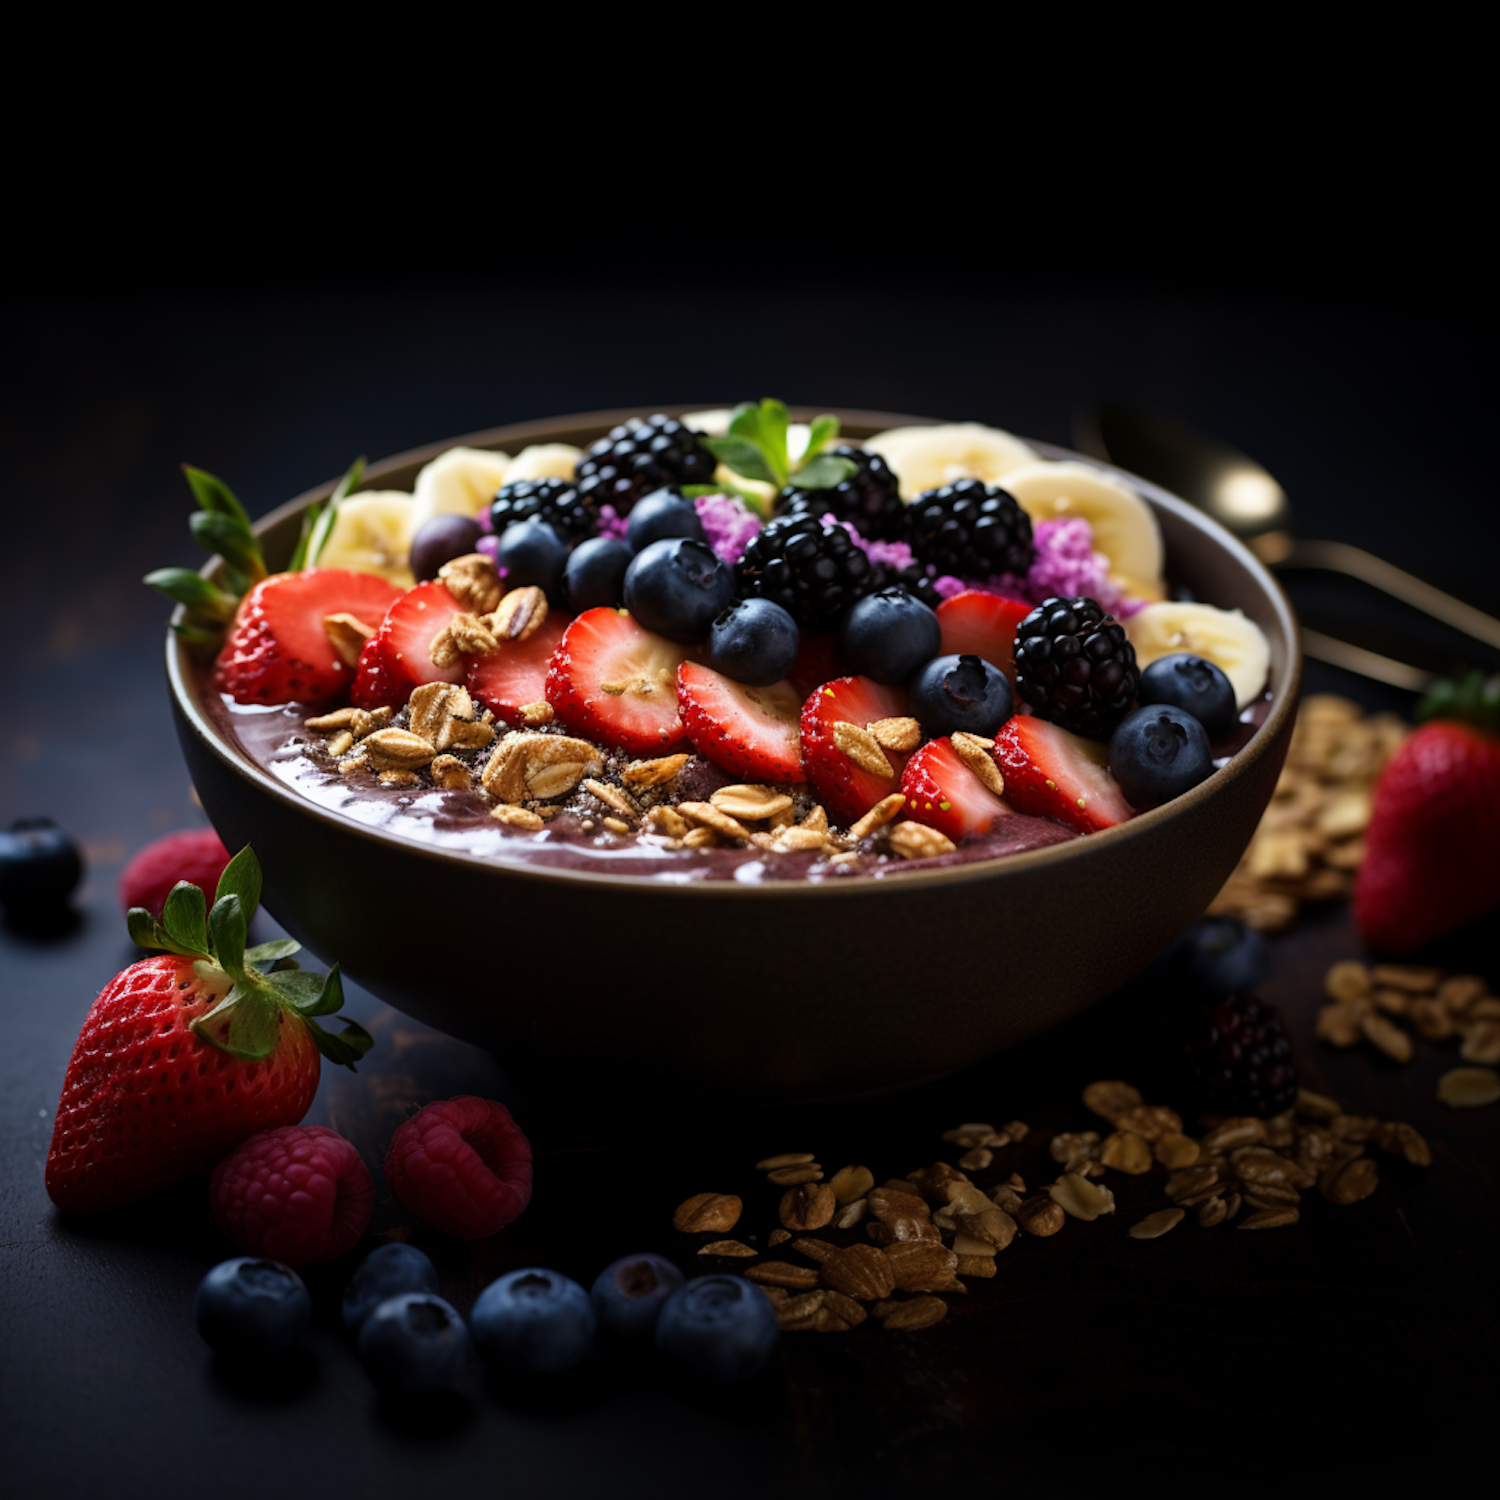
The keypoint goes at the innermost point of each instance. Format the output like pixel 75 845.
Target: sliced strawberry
pixel 977 623
pixel 747 731
pixel 942 792
pixel 508 679
pixel 617 683
pixel 848 791
pixel 1052 773
pixel 278 650
pixel 818 661
pixel 398 657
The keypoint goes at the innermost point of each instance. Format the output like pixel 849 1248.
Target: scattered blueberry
pixel 413 1344
pixel 628 1294
pixel 754 641
pixel 534 1321
pixel 1194 685
pixel 247 1307
pixel 676 588
pixel 39 865
pixel 385 1272
pixel 1158 753
pixel 721 1327
pixel 595 575
pixel 961 695
pixel 438 541
pixel 532 554
pixel 887 635
pixel 661 515
pixel 1221 956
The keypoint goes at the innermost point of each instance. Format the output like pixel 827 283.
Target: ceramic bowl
pixel 775 992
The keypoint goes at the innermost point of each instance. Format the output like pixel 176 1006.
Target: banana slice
pixel 372 533
pixel 925 458
pixel 1125 528
pixel 1234 643
pixel 460 482
pixel 544 461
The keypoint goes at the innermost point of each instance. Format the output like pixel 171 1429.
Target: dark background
pixel 1322 306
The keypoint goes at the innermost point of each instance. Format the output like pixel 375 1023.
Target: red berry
pixel 1052 773
pixel 977 623
pixel 196 855
pixel 848 791
pixel 300 1195
pixel 747 731
pixel 398 657
pixel 616 683
pixel 508 679
pixel 461 1165
pixel 942 792
pixel 278 650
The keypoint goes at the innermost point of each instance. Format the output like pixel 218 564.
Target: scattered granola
pixel 1374 1003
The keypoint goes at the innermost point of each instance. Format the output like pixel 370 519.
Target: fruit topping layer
pixel 729 635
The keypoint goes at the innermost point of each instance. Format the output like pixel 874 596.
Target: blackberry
pixel 1075 667
pixel 814 572
pixel 558 502
pixel 914 578
pixel 868 499
pixel 970 529
pixel 1238 1058
pixel 640 456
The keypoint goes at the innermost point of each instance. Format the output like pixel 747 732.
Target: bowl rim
pixel 181 671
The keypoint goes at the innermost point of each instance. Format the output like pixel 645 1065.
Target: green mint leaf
pixel 185 917
pixel 774 421
pixel 822 431
pixel 229 538
pixel 214 495
pixel 226 926
pixel 267 953
pixel 823 472
pixel 183 586
pixel 344 1047
pixel 744 422
pixel 241 878
pixel 745 458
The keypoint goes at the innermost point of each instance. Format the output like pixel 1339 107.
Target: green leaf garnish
pixel 268 953
pixel 241 878
pixel 185 917
pixel 201 598
pixel 214 495
pixel 345 1046
pixel 319 518
pixel 824 472
pixel 755 447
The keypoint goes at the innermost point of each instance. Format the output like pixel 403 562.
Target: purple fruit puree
pixel 276 740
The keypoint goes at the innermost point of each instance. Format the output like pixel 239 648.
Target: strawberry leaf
pixel 214 495
pixel 205 600
pixel 267 953
pixel 344 1047
pixel 241 878
pixel 226 926
pixel 146 932
pixel 234 542
pixel 185 917
pixel 254 1026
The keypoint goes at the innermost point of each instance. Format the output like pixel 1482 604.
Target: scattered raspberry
pixel 299 1194
pixel 462 1165
pixel 197 855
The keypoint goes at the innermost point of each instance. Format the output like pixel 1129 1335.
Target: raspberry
pixel 298 1194
pixel 461 1165
pixel 196 855
pixel 1239 1060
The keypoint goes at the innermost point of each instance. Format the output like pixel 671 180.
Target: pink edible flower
pixel 728 525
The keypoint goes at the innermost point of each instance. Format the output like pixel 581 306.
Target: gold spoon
pixel 1247 501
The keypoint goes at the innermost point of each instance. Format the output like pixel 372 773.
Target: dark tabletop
pixel 1358 1345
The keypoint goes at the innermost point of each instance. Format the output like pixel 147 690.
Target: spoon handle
pixel 1367 663
pixel 1340 557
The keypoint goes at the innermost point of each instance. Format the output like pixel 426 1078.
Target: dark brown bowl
pixel 775 992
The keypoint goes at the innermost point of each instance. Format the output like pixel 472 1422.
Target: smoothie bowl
pixel 673 845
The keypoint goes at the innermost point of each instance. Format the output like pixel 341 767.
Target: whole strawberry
pixel 1432 850
pixel 185 1055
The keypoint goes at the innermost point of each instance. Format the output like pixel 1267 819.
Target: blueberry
pixel 535 1321
pixel 413 1344
pixel 961 694
pixel 595 575
pixel 385 1272
pixel 39 864
pixel 246 1307
pixel 628 1294
pixel 531 553
pixel 438 541
pixel 754 641
pixel 660 515
pixel 888 635
pixel 1157 753
pixel 676 588
pixel 1194 685
pixel 721 1327
pixel 1221 956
